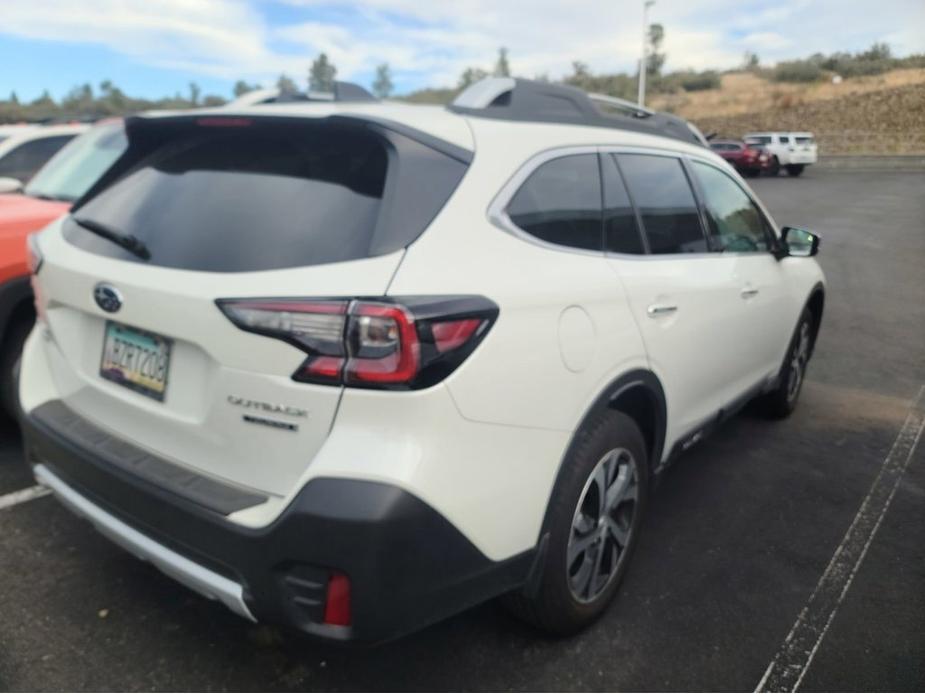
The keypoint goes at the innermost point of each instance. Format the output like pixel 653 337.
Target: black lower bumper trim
pixel 408 566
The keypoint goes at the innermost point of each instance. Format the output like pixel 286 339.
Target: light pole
pixel 641 99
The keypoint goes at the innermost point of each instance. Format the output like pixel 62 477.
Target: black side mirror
pixel 798 243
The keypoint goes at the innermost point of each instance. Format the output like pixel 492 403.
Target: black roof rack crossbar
pixel 507 98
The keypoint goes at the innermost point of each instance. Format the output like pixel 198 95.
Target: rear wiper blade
pixel 132 244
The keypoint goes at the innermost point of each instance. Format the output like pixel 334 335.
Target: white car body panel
pixel 482 447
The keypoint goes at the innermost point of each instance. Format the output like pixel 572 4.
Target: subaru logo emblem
pixel 107 297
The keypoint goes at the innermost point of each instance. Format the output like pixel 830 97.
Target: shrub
pixel 797 71
pixel 699 81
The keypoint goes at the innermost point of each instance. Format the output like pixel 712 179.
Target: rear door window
pixel 274 196
pixel 666 203
pixel 560 203
pixel 621 233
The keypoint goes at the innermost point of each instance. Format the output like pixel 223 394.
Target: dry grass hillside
pixel 879 114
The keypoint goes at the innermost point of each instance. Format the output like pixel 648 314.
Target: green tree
pixel 14 99
pixel 581 75
pixel 879 51
pixel 79 100
pixel 194 92
pixel 321 75
pixel 502 66
pixel 286 85
pixel 471 75
pixel 655 59
pixel 241 88
pixel 750 61
pixel 382 86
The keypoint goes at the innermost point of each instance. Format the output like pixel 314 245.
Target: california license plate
pixel 136 359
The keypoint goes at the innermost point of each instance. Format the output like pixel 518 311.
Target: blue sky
pixel 154 48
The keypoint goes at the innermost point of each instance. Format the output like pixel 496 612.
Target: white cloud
pixel 431 42
pixel 766 41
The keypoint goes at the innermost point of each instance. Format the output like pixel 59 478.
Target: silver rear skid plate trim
pixel 194 576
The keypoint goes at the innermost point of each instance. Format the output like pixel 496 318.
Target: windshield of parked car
pixel 805 140
pixel 71 172
pixel 759 140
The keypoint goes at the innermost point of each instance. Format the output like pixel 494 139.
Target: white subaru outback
pixel 356 367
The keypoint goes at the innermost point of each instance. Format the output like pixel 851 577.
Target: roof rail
pixel 507 98
pixel 633 109
pixel 341 92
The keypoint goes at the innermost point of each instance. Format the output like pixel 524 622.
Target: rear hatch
pixel 227 208
pixel 805 149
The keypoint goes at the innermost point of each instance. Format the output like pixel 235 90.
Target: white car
pixel 792 150
pixel 356 367
pixel 24 149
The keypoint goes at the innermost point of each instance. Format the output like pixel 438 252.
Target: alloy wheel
pixel 798 361
pixel 602 525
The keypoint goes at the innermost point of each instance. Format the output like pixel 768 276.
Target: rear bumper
pixel 408 566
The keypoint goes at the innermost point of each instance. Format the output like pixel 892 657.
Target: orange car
pixel 66 177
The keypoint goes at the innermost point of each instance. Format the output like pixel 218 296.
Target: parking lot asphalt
pixel 736 540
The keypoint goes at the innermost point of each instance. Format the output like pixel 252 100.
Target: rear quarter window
pixel 560 203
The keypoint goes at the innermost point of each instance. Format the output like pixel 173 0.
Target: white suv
pixel 354 368
pixel 794 151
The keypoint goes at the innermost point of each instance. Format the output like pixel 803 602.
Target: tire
pixel 752 173
pixel 566 598
pixel 795 169
pixel 774 168
pixel 9 355
pixel 782 401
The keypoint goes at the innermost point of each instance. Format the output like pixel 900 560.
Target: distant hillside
pixel 882 114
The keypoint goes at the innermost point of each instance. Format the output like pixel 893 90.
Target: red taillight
pixel 383 344
pixel 370 344
pixel 337 601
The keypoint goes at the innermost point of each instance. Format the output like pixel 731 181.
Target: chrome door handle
pixel 656 310
pixel 748 292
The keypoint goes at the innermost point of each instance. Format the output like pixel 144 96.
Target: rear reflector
pixel 370 344
pixel 337 601
pixel 451 334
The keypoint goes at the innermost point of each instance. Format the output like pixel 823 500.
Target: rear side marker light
pixel 392 344
pixel 337 600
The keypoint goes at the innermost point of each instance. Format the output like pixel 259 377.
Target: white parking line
pixel 786 671
pixel 23 495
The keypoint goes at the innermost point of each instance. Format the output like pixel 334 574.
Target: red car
pixel 66 177
pixel 747 159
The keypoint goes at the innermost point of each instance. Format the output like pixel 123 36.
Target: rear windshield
pixel 238 199
pixel 805 141
pixel 759 140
